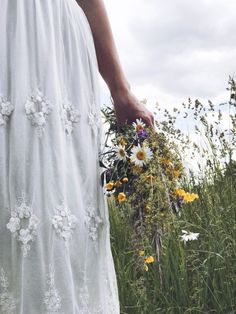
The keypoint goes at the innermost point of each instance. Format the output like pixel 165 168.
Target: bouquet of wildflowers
pixel 142 173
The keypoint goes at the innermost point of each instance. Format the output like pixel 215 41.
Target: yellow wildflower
pixel 188 197
pixel 145 267
pixel 180 192
pixel 109 185
pixel 121 197
pixel 125 179
pixel 118 183
pixel 165 161
pixel 122 142
pixel 149 178
pixel 195 196
pixel 147 208
pixel 176 173
pixel 149 259
pixel 141 252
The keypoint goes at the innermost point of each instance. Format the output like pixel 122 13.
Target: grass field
pixel 197 276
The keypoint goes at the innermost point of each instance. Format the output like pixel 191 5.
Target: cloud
pixel 172 50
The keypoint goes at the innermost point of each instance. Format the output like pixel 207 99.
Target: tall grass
pixel 199 276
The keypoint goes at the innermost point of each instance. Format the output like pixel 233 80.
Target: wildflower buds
pixel 149 178
pixel 109 185
pixel 145 267
pixel 125 179
pixel 118 183
pixel 121 197
pixel 147 208
pixel 122 142
pixel 141 252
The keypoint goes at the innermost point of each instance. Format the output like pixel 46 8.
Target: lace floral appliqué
pixel 94 119
pixel 6 109
pixel 69 116
pixel 23 216
pixel 37 108
pixel 52 299
pixel 93 221
pixel 7 302
pixel 64 222
pixel 84 299
pixel 84 307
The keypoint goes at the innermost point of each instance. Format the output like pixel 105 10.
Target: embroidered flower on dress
pixel 37 107
pixel 6 109
pixel 7 302
pixel 52 299
pixel 69 116
pixel 23 214
pixel 84 299
pixel 94 119
pixel 64 222
pixel 93 221
pixel 84 303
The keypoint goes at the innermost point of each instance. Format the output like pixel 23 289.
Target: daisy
pixel 188 236
pixel 140 155
pixel 138 125
pixel 120 152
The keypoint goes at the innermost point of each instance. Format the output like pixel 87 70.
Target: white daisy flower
pixel 188 236
pixel 120 152
pixel 140 155
pixel 138 125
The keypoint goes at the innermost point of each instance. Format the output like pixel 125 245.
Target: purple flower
pixel 109 172
pixel 142 134
pixel 179 200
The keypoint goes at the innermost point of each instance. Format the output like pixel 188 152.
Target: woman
pixel 54 224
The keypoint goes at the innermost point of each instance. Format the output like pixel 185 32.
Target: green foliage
pixel 199 276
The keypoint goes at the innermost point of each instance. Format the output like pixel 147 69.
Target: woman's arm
pixel 126 105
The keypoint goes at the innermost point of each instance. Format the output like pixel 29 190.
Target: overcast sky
pixel 172 50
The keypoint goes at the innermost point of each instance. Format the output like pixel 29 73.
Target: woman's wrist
pixel 123 97
pixel 119 88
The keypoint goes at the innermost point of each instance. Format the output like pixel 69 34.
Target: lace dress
pixel 54 224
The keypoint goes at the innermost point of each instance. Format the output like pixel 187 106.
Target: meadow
pixel 195 276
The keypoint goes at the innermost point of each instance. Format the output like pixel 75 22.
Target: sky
pixel 172 50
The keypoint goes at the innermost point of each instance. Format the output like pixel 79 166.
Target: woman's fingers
pixel 128 108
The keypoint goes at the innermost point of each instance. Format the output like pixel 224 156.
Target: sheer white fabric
pixel 54 223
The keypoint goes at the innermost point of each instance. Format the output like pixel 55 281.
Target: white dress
pixel 55 252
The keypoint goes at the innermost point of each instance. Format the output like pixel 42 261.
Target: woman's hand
pixel 129 108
